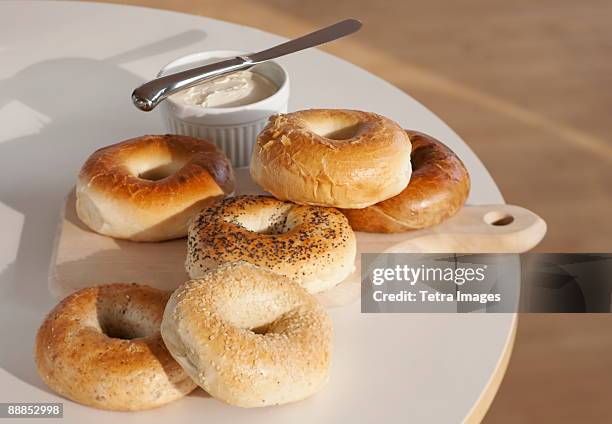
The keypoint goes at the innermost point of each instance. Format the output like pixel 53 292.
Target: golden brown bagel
pixel 149 188
pixel 102 347
pixel 438 188
pixel 248 336
pixel 312 245
pixel 332 157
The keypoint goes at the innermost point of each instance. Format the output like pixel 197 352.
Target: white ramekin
pixel 233 129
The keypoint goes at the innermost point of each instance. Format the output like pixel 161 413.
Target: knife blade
pixel 321 36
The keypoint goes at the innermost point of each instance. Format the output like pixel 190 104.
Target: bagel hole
pixel 335 130
pixel 118 332
pixel 262 329
pixel 160 172
pixel 261 311
pixel 498 219
pixel 120 322
pixel 343 133
pixel 267 222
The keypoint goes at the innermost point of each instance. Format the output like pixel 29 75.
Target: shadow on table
pixel 34 180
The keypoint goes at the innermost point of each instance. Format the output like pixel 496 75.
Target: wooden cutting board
pixel 83 258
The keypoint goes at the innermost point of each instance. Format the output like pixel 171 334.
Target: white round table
pixel 67 73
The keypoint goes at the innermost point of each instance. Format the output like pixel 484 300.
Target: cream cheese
pixel 236 89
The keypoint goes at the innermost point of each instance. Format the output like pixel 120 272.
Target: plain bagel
pixel 314 246
pixel 332 157
pixel 439 186
pixel 149 188
pixel 102 347
pixel 248 336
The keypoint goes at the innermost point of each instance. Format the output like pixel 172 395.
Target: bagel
pixel 102 347
pixel 332 157
pixel 248 336
pixel 149 188
pixel 439 187
pixel 312 245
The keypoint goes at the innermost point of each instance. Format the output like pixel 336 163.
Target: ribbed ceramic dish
pixel 233 129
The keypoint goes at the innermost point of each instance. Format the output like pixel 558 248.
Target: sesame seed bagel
pixel 149 188
pixel 312 245
pixel 101 346
pixel 439 186
pixel 248 336
pixel 332 157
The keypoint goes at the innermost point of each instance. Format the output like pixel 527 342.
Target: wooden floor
pixel 528 86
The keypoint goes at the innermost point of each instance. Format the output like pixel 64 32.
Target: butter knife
pixel 147 96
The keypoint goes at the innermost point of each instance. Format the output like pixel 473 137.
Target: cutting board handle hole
pixel 498 219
